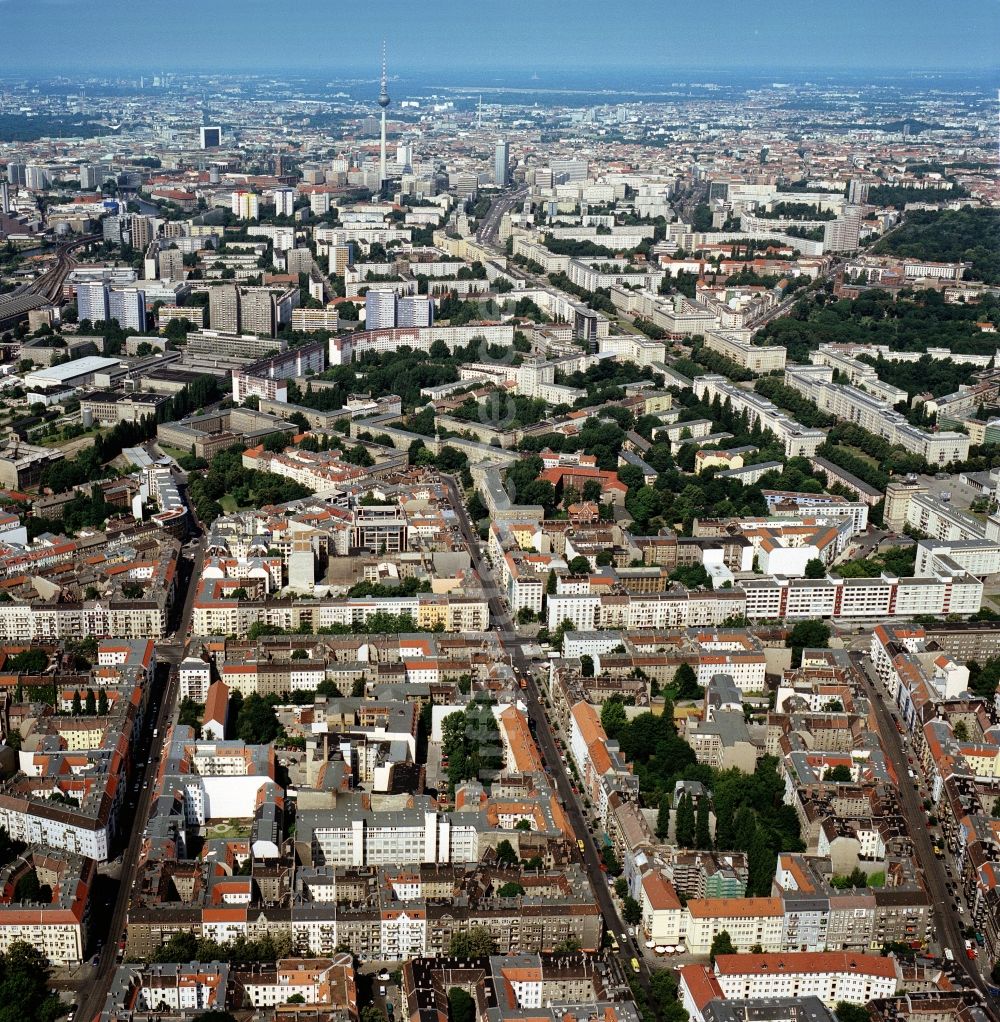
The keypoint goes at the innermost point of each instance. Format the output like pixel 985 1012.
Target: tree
pixel 961 730
pixel 478 942
pixel 621 887
pixel 592 490
pixel 77 704
pixel 631 910
pixel 613 718
pixel 24 986
pixel 550 584
pixel 257 724
pixel 840 774
pixel 510 890
pixel 461 1006
pixel 686 683
pixel 807 635
pixel 587 665
pixel 684 825
pixel 722 944
pixel 506 853
pixel 703 834
pixel 28 661
pixel 579 565
pixel 611 860
pixel 91 703
pixel 663 818
pixel 815 568
pixel 102 701
pixel 851 1012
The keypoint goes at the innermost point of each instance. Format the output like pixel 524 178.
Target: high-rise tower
pixel 383 102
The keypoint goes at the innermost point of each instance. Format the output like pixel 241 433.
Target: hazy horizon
pixel 52 37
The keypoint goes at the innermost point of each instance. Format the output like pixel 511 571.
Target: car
pixel 624 938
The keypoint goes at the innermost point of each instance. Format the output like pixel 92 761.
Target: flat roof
pixel 70 370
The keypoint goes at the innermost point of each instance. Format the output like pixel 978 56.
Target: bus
pixel 580 845
pixel 614 942
pixel 635 965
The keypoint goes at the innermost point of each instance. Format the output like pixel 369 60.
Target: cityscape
pixel 503 540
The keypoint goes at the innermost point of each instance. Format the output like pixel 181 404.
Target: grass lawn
pixel 228 504
pixel 857 452
pixel 227 829
pixel 172 452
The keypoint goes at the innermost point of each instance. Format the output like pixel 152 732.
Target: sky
pixel 533 36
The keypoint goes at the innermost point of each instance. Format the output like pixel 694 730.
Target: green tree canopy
pixel 722 944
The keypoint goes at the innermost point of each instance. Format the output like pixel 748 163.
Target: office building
pixel 284 201
pixel 17 174
pixel 564 171
pixel 224 308
pixel 501 161
pixel 211 137
pixel 36 178
pixel 4 196
pixel 91 176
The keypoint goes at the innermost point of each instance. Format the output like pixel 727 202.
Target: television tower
pixel 383 102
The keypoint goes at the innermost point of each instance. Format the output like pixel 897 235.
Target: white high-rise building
pixel 501 163
pixel 319 203
pixel 246 205
pixel 380 309
pixel 36 178
pixel 91 176
pixel 404 155
pixel 128 307
pixel 92 301
pixel 284 201
pixel 414 310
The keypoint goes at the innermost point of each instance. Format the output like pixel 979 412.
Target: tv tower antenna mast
pixel 479 117
pixel 383 102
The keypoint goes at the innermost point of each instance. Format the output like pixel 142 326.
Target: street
pixel 949 924
pixel 486 232
pixel 514 644
pixel 136 811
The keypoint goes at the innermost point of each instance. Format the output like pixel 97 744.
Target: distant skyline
pixel 529 36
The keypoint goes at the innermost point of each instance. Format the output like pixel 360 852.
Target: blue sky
pixel 533 35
